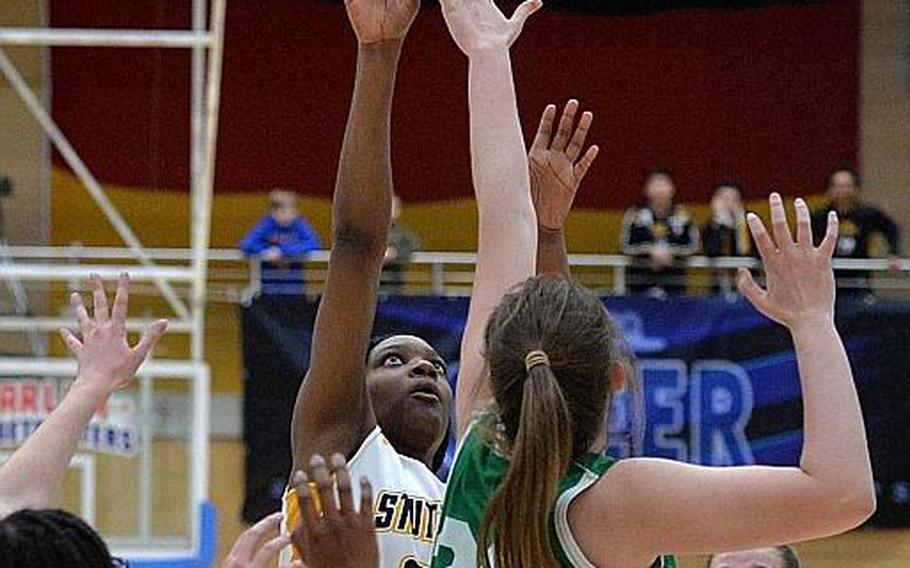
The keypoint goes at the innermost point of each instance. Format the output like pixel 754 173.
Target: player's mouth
pixel 426 392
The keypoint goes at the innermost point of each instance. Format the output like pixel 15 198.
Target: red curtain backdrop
pixel 767 95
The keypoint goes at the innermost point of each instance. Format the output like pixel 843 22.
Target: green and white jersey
pixel 476 474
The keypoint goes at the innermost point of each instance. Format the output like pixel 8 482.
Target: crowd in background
pixel 661 234
pixel 658 236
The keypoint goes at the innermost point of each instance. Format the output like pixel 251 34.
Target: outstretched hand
pixel 330 534
pixel 800 282
pixel 477 25
pixel 259 545
pixel 557 164
pixel 106 361
pixel 376 21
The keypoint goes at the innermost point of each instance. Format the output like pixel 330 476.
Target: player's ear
pixel 618 371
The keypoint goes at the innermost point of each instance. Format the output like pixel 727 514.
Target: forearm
pixel 835 451
pixel 507 231
pixel 552 257
pixel 32 476
pixel 499 158
pixel 362 201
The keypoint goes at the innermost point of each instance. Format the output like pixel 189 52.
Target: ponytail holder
pixel 535 359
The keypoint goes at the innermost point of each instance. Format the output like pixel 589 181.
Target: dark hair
pixel 652 173
pixel 732 184
pixel 547 414
pixel 50 538
pixel 844 170
pixel 787 555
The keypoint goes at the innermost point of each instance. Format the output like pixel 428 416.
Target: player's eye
pixel 392 360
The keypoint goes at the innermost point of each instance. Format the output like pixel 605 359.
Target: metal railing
pixel 234 278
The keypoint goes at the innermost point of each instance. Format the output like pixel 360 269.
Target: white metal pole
pixel 199 446
pixel 88 37
pixel 202 211
pixel 146 395
pixel 82 172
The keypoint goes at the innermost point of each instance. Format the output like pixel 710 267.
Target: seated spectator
pixel 281 238
pixel 727 233
pixel 658 234
pixel 777 557
pixel 858 224
pixel 402 246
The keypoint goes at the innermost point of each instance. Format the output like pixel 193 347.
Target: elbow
pixel 856 506
pixel 360 242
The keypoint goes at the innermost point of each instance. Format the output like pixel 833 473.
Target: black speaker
pixel 6 186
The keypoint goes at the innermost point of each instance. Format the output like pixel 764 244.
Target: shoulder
pixel 638 215
pixel 377 459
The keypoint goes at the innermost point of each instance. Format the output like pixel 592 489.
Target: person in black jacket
pixel 859 223
pixel 726 234
pixel 658 235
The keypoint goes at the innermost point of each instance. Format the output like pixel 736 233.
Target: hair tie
pixel 536 358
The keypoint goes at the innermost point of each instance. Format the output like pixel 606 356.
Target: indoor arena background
pixel 773 94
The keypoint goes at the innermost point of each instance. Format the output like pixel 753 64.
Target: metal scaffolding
pixel 206 41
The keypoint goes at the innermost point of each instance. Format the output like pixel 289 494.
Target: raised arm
pixel 672 507
pixel 32 476
pixel 507 237
pixel 557 170
pixel 333 411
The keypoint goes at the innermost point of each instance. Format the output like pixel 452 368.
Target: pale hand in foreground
pixel 478 25
pixel 799 279
pixel 106 360
pixel 252 550
pixel 556 170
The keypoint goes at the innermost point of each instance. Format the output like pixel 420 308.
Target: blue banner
pixel 719 381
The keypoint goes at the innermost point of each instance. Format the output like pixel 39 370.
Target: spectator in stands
pixel 859 223
pixel 726 234
pixel 659 235
pixel 402 246
pixel 281 239
pixel 777 557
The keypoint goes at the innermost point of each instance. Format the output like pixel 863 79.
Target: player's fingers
pixel 760 235
pixel 522 13
pixel 545 128
pixel 831 235
pixel 319 473
pixel 803 223
pixel 343 482
pixel 100 299
pixel 245 546
pixel 366 498
pixel 585 163
pixel 749 288
pixel 573 150
pixel 265 555
pixel 149 339
pixel 82 317
pixel 121 301
pixel 564 130
pixel 309 511
pixel 779 224
pixel 71 341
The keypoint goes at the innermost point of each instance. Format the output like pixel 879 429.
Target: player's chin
pixel 429 417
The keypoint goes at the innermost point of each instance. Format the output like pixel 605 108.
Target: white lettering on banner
pixel 26 402
pixel 715 396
